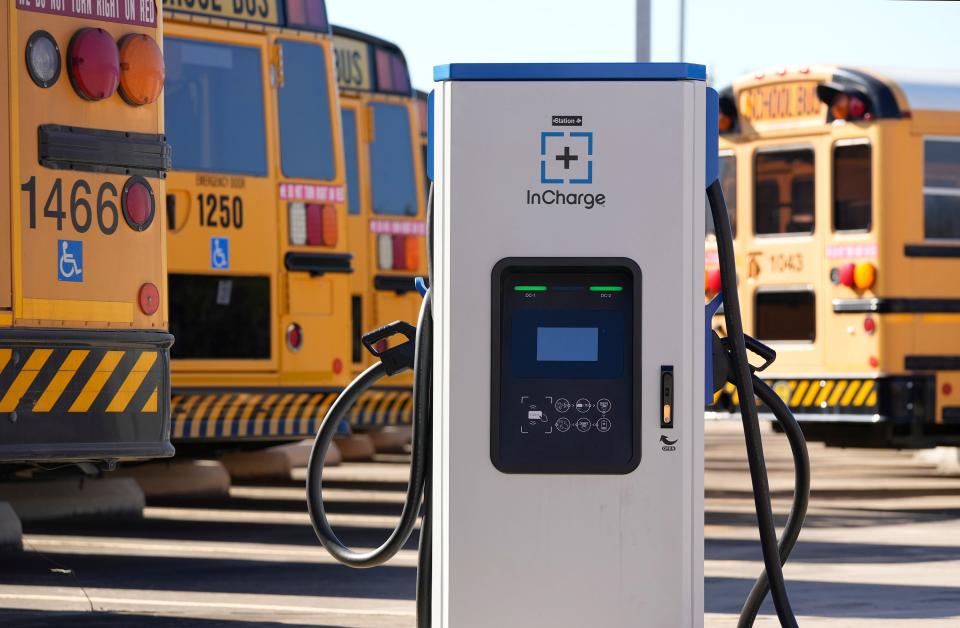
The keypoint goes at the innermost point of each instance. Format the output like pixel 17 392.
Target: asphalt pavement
pixel 881 548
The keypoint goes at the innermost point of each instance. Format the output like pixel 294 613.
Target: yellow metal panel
pixel 5 357
pixel 6 318
pixel 24 378
pixel 67 310
pixel 6 199
pixel 60 381
pixel 96 382
pixel 353 64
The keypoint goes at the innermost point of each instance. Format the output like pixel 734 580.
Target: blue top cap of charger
pixel 570 72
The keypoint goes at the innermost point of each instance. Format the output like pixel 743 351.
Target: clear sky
pixel 730 36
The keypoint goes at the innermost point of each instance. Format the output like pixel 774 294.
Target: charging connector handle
pixel 743 377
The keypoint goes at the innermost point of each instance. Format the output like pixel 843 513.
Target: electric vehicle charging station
pixel 568 246
pixel 563 356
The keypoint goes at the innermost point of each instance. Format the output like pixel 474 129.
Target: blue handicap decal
pixel 219 253
pixel 70 260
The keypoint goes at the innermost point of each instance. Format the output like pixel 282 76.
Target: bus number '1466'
pixel 220 211
pixel 82 206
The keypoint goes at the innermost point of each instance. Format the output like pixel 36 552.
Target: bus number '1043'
pixel 220 211
pixel 83 205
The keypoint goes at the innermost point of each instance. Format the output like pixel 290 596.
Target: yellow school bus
pixel 84 348
pixel 844 188
pixel 382 126
pixel 261 265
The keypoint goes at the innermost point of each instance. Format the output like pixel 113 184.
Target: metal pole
pixel 643 30
pixel 683 28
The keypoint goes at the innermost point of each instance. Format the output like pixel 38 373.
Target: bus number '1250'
pixel 220 211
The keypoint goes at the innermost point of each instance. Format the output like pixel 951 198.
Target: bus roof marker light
pixel 43 58
pixel 142 71
pixel 93 63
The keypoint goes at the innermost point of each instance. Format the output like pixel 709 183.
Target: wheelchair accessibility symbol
pixel 70 260
pixel 219 253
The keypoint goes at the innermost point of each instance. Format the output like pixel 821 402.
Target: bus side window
pixel 728 183
pixel 776 172
pixel 349 120
pixel 941 188
pixel 852 195
pixel 391 161
pixel 306 130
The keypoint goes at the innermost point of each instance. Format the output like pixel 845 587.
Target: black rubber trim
pixel 896 306
pixel 97 150
pixel 85 338
pixel 931 250
pixel 932 362
pixel 951 414
pixel 318 263
pixel 401 284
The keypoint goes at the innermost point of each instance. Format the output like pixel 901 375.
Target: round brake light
pixel 43 58
pixel 846 275
pixel 93 63
pixel 138 203
pixel 294 337
pixel 141 69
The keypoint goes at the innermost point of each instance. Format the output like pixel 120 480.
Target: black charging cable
pixel 742 376
pixel 801 496
pixel 392 361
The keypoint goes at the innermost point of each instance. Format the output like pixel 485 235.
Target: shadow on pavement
pixel 44 619
pixel 841 600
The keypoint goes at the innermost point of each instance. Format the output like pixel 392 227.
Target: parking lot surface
pixel 881 548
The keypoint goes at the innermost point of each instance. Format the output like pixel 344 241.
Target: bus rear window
pixel 391 161
pixel 941 189
pixel 783 192
pixel 306 132
pixel 852 197
pixel 217 317
pixel 728 183
pixel 786 315
pixel 213 104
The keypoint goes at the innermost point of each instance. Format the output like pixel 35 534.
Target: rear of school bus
pixel 846 191
pixel 84 351
pixel 259 262
pixel 386 198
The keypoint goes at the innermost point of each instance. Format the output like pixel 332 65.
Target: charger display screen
pixel 567 344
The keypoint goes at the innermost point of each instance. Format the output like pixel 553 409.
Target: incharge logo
pixel 566 158
pixel 558 197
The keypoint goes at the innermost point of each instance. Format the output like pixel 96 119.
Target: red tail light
pixel 321 225
pixel 400 252
pixel 137 203
pixel 846 275
pixel 713 282
pixel 93 63
pixel 869 325
pixel 294 337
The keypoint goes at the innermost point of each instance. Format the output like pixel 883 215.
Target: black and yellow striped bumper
pixel 846 399
pixel 276 414
pixel 84 395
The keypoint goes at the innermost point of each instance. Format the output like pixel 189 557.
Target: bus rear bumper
pixel 221 415
pixel 84 395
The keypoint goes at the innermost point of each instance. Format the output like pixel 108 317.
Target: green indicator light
pixel 606 288
pixel 530 288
